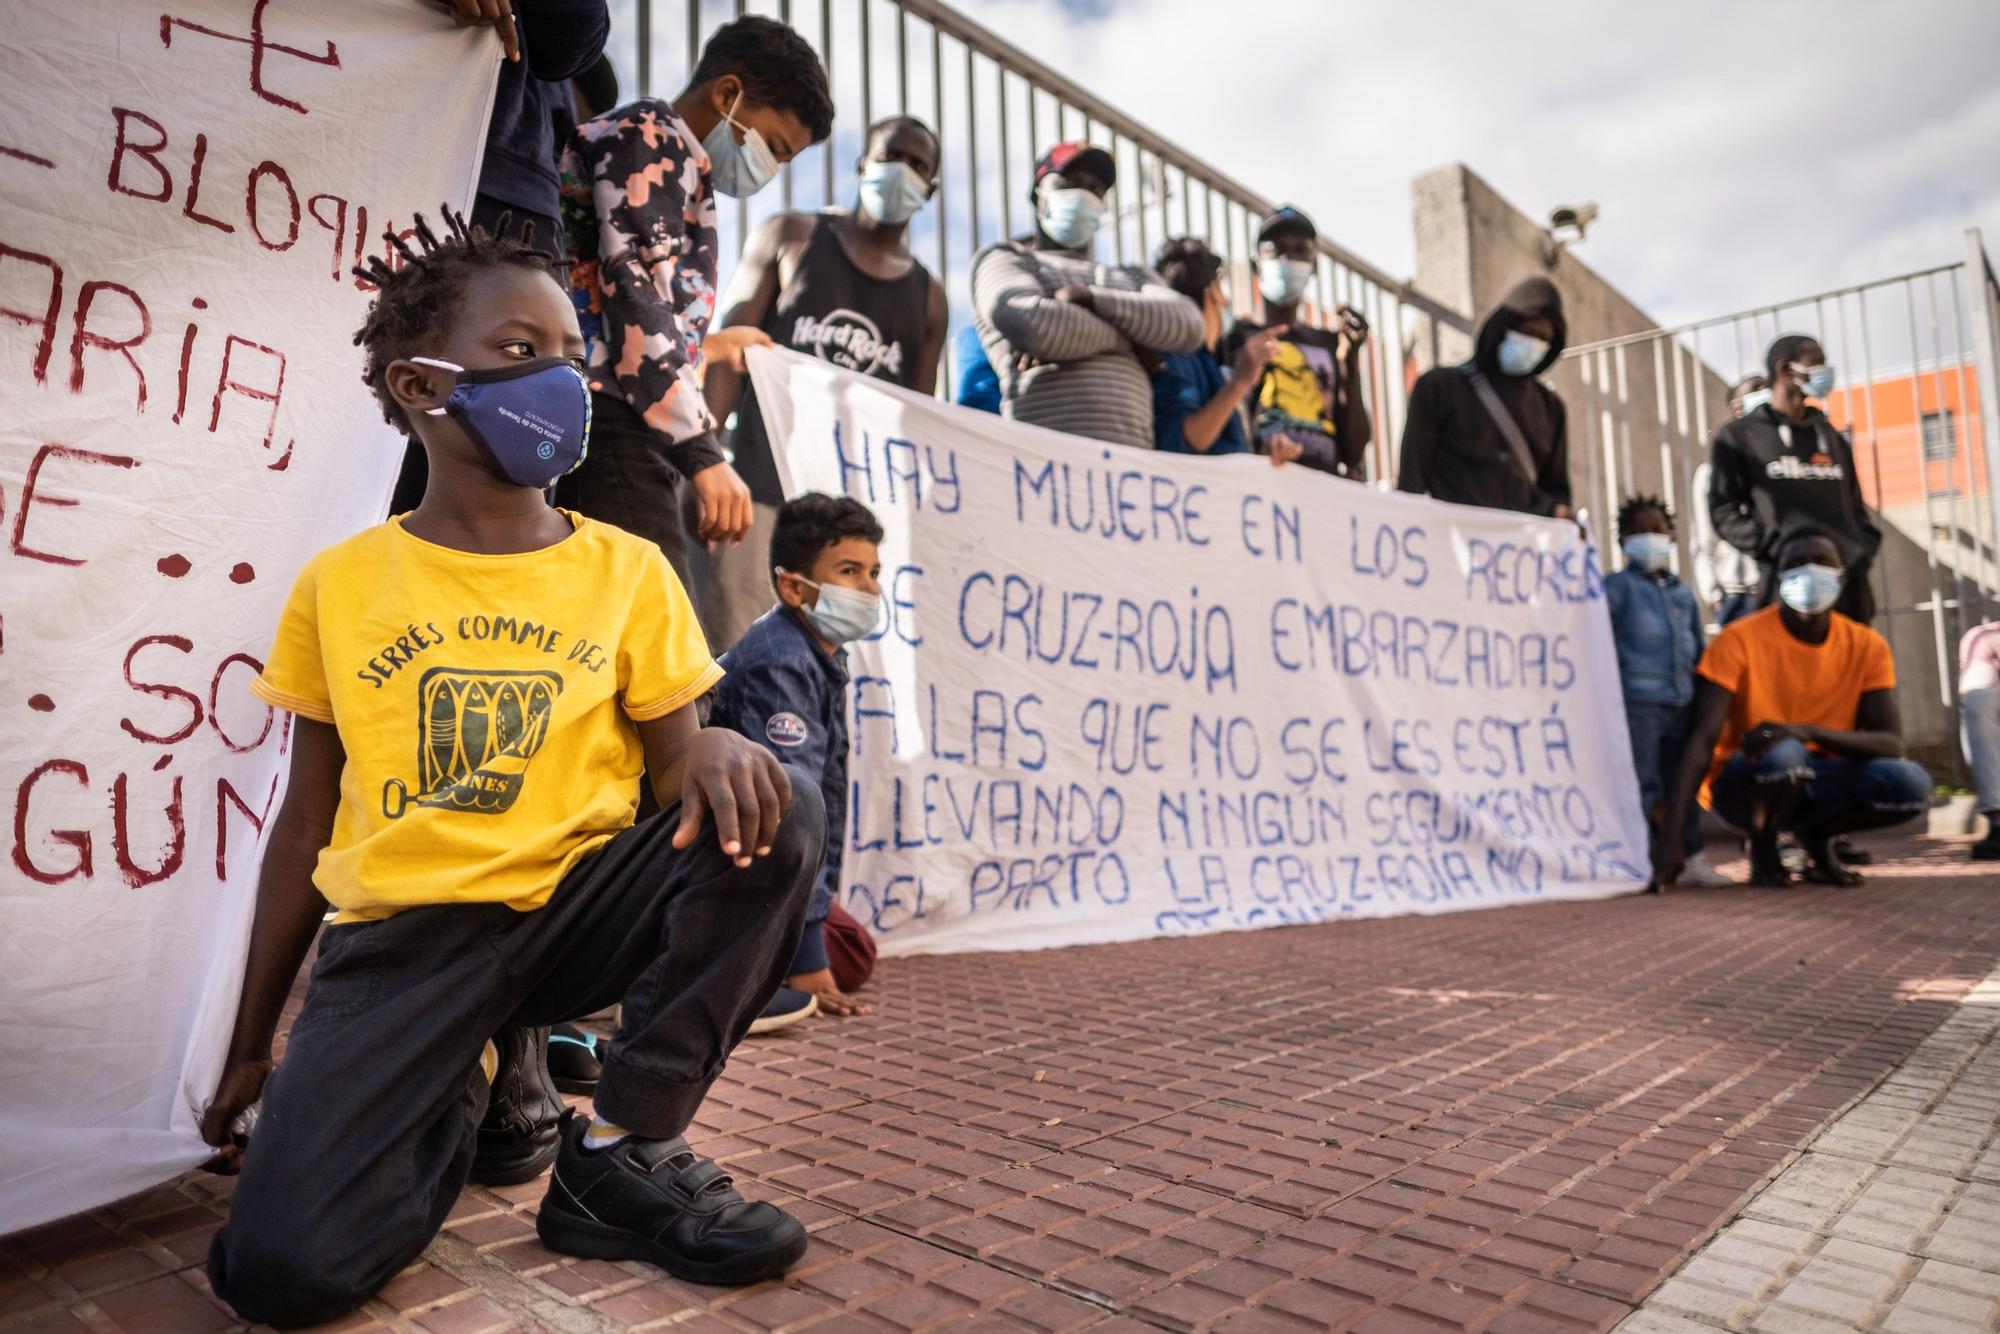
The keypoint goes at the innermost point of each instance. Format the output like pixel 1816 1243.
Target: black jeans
pixel 367 1130
pixel 629 480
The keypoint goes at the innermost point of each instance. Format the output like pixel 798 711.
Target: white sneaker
pixel 1698 872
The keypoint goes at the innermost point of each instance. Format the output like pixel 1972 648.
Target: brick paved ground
pixel 1889 1221
pixel 1518 1119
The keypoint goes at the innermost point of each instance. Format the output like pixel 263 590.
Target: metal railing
pixel 995 108
pixel 1915 355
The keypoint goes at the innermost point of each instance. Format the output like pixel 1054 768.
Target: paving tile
pixel 1521 1118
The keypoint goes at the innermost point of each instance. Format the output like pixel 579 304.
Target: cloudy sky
pixel 1741 152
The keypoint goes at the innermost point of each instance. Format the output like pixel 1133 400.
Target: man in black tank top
pixel 841 285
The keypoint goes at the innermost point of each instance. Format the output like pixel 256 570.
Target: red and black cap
pixel 1285 220
pixel 1061 158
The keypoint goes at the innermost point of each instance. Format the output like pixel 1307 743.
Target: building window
pixel 1940 436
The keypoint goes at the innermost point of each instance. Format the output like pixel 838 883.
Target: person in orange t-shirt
pixel 1796 727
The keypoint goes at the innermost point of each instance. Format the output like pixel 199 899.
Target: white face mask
pixel 738 170
pixel 892 192
pixel 1070 217
pixel 842 615
pixel 1520 353
pixel 1810 589
pixel 1649 551
pixel 1283 281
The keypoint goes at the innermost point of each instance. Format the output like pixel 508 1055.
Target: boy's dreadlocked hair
pixel 1634 506
pixel 415 300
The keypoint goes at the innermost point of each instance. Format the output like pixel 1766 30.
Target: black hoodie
pixel 1453 450
pixel 1768 475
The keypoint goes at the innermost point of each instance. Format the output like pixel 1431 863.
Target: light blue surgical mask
pixel 892 192
pixel 1753 400
pixel 1070 217
pixel 1283 281
pixel 1649 551
pixel 738 170
pixel 842 615
pixel 1810 589
pixel 1820 381
pixel 1520 353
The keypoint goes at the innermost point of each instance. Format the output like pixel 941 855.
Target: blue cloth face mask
pixel 531 421
pixel 842 615
pixel 1283 281
pixel 1070 217
pixel 1819 381
pixel 1809 589
pixel 1520 353
pixel 1649 551
pixel 1753 400
pixel 892 192
pixel 738 170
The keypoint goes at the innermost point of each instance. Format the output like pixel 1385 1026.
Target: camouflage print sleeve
pixel 650 265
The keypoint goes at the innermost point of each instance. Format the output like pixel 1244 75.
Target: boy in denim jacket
pixel 1656 624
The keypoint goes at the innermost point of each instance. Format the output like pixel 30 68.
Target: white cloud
pixel 1741 153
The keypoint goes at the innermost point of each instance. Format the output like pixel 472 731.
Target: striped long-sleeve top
pixel 1068 367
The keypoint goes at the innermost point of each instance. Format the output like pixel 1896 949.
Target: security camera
pixel 1572 218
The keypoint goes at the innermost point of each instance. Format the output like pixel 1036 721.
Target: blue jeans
pixel 1833 795
pixel 1659 737
pixel 1979 719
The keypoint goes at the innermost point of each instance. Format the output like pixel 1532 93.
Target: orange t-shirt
pixel 1777 678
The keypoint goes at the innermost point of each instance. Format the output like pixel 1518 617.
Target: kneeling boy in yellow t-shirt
pixel 479 685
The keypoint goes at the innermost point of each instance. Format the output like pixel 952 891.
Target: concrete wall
pixel 1473 245
pixel 1639 422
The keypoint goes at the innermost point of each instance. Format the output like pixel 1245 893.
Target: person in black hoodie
pixel 1783 466
pixel 1488 432
pixel 544 44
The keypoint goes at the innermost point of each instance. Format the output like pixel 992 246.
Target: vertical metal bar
pixel 785 177
pixel 645 34
pixel 1611 391
pixel 1034 121
pixel 1874 438
pixel 971 150
pixel 1984 540
pixel 1684 453
pixel 938 213
pixel 1944 662
pixel 1139 161
pixel 1117 214
pixel 1985 302
pixel 1628 480
pixel 1585 367
pixel 902 58
pixel 1951 422
pixel 1006 157
pixel 826 55
pixel 743 205
pixel 867 65
pixel 1669 492
pixel 693 36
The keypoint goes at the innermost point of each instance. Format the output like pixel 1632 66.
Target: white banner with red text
pixel 184 188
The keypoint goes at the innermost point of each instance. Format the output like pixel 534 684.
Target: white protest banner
pixel 1123 694
pixel 184 187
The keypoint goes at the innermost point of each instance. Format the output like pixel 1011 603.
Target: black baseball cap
pixel 1074 153
pixel 1286 220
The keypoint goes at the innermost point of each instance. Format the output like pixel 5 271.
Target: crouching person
pixel 470 733
pixel 1796 727
pixel 786 689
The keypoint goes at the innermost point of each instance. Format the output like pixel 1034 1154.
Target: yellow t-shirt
pixel 1777 678
pixel 486 704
